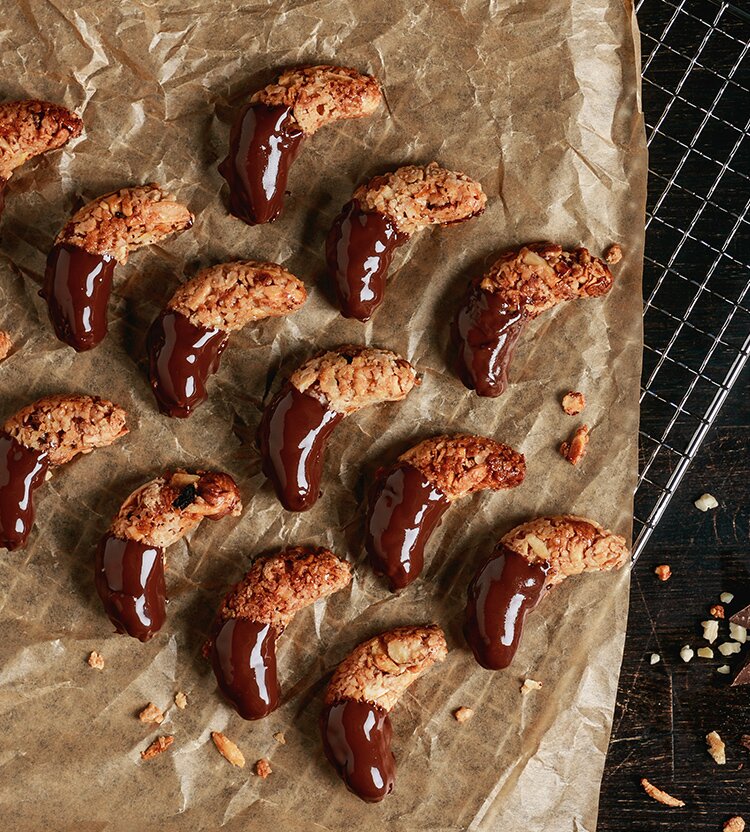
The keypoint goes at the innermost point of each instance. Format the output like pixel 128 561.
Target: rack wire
pixel 696 91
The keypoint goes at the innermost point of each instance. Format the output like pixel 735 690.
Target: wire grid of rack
pixel 696 90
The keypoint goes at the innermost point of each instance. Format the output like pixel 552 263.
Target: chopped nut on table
pixel 575 450
pixel 96 660
pixel 263 768
pixel 280 738
pixel 659 795
pixel 705 652
pixel 686 654
pixel 228 749
pixel 529 685
pixel 717 611
pixel 737 632
pixel 663 572
pixel 735 824
pixel 655 658
pixel 710 630
pixel 180 699
pixel 573 403
pixel 726 597
pixel 716 747
pixel 724 668
pixel 151 713
pixel 705 502
pixel 6 345
pixel 463 714
pixel 727 648
pixel 158 746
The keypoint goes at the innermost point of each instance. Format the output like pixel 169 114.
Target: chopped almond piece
pixel 613 254
pixel 151 713
pixel 735 824
pixel 724 668
pixel 228 749
pixel 263 768
pixel 726 597
pixel 280 738
pixel 529 685
pixel 655 658
pixel 573 403
pixel 716 747
pixel 710 630
pixel 705 502
pixel 686 654
pixel 705 652
pixel 463 714
pixel 575 450
pixel 663 572
pixel 717 611
pixel 180 699
pixel 96 660
pixel 158 746
pixel 659 795
pixel 6 345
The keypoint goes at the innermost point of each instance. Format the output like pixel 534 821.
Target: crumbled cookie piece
pixel 735 824
pixel 6 345
pixel 319 95
pixel 381 669
pixel 717 611
pixel 123 221
pixel 180 699
pixel 228 749
pixel 230 295
pixel 463 714
pixel 716 748
pixel 415 196
pixel 67 425
pixel 569 544
pixel 352 377
pixel 575 449
pixel 529 685
pixel 158 746
pixel 573 403
pixel 29 128
pixel 280 738
pixel 95 660
pixel 659 795
pixel 613 254
pixel 263 768
pixel 706 502
pixel 278 586
pixel 165 509
pixel 151 714
pixel 663 572
pixel 464 463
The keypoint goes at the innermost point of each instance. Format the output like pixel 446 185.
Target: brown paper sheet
pixel 538 99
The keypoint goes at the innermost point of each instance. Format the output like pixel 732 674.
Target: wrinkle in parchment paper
pixel 538 100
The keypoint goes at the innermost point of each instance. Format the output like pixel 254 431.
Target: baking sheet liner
pixel 539 100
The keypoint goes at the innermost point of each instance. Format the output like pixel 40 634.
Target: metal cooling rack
pixel 696 91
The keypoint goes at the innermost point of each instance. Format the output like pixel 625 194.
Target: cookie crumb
pixel 573 403
pixel 529 685
pixel 463 714
pixel 663 572
pixel 575 449
pixel 6 345
pixel 716 747
pixel 151 713
pixel 96 660
pixel 659 795
pixel 280 738
pixel 717 611
pixel 735 824
pixel 180 699
pixel 228 749
pixel 158 746
pixel 613 254
pixel 263 768
pixel 705 502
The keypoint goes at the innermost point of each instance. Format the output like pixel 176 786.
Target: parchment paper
pixel 538 99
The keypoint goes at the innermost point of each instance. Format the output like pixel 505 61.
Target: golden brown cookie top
pixel 66 425
pixel 30 128
pixel 319 95
pixel 230 295
pixel 120 222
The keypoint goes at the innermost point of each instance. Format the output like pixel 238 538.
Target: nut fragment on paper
pixel 228 749
pixel 575 449
pixel 659 795
pixel 263 768
pixel 529 685
pixel 158 746
pixel 96 660
pixel 280 738
pixel 6 345
pixel 463 714
pixel 573 402
pixel 180 699
pixel 151 714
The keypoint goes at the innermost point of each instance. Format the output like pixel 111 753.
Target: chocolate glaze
pixel 243 656
pixel 357 742
pixel 129 578
pixel 263 143
pixel 359 249
pixel 76 287
pixel 485 332
pixel 404 510
pixel 292 437
pixel 502 593
pixel 181 359
pixel 22 471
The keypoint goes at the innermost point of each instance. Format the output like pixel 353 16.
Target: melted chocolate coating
pixel 22 471
pixel 502 593
pixel 292 437
pixel 243 656
pixel 405 508
pixel 77 286
pixel 181 359
pixel 359 249
pixel 485 332
pixel 357 742
pixel 263 143
pixel 129 578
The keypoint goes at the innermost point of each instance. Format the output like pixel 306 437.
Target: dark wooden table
pixel 664 711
